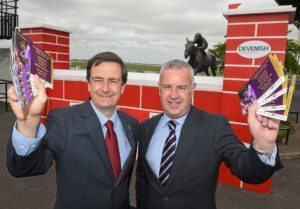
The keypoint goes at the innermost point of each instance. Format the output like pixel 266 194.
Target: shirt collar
pixel 180 120
pixel 102 118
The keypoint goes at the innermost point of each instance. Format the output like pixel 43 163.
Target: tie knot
pixel 109 125
pixel 172 125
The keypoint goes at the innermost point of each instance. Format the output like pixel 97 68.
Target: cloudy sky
pixel 140 31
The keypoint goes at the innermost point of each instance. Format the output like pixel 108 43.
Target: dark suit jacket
pixel 74 139
pixel 205 141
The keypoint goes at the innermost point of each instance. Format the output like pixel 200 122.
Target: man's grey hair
pixel 177 64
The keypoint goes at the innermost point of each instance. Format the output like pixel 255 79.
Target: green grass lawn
pixel 133 67
pixel 80 63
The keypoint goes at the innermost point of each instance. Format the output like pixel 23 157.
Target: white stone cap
pixel 278 9
pixel 70 75
pixel 144 79
pixel 211 83
pixel 42 25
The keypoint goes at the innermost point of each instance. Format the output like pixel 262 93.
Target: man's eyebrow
pixel 96 77
pixel 112 78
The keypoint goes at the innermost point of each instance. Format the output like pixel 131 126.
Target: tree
pixel 292 57
pixel 219 51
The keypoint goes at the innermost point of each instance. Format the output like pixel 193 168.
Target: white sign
pixel 253 49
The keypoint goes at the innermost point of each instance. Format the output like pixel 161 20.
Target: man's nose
pixel 174 93
pixel 105 86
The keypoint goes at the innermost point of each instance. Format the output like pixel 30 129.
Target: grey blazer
pixel 74 139
pixel 206 140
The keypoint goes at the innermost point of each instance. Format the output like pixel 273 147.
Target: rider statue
pixel 200 43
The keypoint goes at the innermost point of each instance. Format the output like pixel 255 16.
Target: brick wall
pixel 270 26
pixel 53 41
pixel 140 97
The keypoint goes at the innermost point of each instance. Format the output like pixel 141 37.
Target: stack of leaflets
pixel 27 59
pixel 269 87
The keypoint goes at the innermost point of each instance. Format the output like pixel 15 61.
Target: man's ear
pixel 123 88
pixel 158 88
pixel 89 86
pixel 194 86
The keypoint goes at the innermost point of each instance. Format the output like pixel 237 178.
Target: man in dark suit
pixel 180 151
pixel 93 144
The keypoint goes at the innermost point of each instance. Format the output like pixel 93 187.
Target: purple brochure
pixel 27 60
pixel 261 82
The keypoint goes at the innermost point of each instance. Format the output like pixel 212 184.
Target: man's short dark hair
pixel 106 57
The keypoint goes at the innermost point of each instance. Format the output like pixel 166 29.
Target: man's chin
pixel 173 114
pixel 106 106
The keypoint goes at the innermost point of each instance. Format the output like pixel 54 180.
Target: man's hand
pixel 264 130
pixel 28 118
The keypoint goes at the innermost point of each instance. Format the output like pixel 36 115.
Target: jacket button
pixel 166 197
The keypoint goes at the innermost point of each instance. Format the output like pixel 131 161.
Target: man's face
pixel 106 86
pixel 176 91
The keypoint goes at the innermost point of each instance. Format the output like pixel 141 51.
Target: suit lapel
pixel 148 135
pixel 188 134
pixel 150 131
pixel 92 125
pixel 129 133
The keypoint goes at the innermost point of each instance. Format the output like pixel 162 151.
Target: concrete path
pixel 39 192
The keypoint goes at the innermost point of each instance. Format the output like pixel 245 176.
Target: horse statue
pixel 199 61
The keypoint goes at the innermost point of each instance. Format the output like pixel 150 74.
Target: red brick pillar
pixel 56 42
pixel 260 27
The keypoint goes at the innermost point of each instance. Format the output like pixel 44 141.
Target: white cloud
pixel 146 31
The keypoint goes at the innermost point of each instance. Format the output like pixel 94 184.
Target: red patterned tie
pixel 113 148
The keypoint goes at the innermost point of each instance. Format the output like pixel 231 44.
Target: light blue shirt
pixel 268 159
pixel 158 139
pixel 24 146
pixel 161 133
